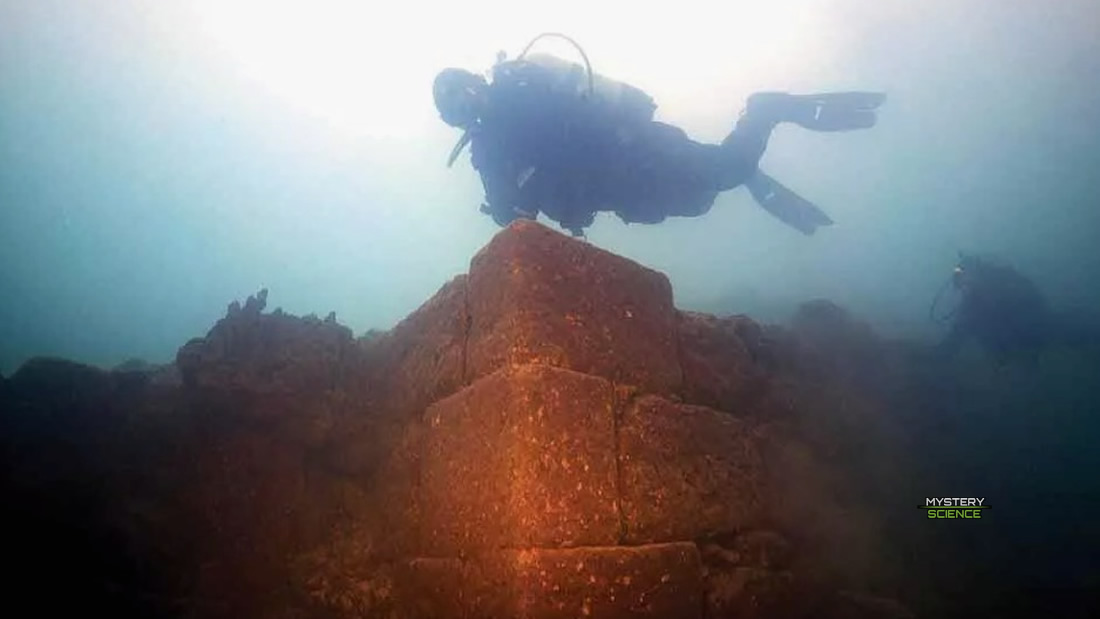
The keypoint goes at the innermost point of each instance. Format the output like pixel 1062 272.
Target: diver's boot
pixel 831 111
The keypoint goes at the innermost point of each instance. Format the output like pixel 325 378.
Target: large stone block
pixel 663 580
pixel 393 493
pixel 422 359
pixel 649 581
pixel 538 296
pixel 426 588
pixel 524 457
pixel 725 361
pixel 396 375
pixel 688 472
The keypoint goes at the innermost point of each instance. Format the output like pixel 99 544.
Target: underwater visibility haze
pixel 160 160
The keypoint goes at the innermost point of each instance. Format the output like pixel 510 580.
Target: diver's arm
pixel 518 124
pixel 500 177
pixel 504 199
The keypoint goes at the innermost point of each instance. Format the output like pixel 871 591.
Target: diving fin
pixel 829 111
pixel 839 111
pixel 785 205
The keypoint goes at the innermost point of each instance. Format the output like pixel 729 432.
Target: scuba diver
pixel 549 136
pixel 999 308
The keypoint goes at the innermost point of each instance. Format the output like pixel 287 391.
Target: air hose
pixel 584 56
pixel 464 140
pixel 935 303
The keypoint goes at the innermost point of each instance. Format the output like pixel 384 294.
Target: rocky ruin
pixel 548 436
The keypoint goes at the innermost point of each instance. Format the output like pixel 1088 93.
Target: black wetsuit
pixel 1002 311
pixel 569 158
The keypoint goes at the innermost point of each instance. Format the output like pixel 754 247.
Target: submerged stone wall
pixel 548 436
pixel 583 448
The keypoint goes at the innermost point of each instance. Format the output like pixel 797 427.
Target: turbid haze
pixel 160 159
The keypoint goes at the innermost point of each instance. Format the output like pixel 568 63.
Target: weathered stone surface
pixel 249 500
pixel 749 575
pixel 256 505
pixel 608 582
pixel 290 470
pixel 524 457
pixel 422 359
pixel 766 549
pixel 344 577
pixel 397 509
pixel 648 581
pixel 538 296
pixel 725 361
pixel 688 472
pixel 400 373
pixel 481 587
pixel 829 328
pixel 266 365
pixel 749 593
pixel 62 386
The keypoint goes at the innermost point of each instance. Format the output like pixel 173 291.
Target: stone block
pixel 751 593
pixel 422 359
pixel 524 457
pixel 688 472
pixel 724 361
pixel 663 581
pixel 538 296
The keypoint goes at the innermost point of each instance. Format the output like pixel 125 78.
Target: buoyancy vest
pixel 621 102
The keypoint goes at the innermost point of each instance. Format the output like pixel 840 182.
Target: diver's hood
pixel 457 93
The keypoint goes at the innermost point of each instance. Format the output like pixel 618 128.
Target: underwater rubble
pixel 547 436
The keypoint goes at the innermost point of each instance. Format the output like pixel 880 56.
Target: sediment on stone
pixel 688 472
pixel 523 457
pixel 536 296
pixel 664 580
pixel 547 435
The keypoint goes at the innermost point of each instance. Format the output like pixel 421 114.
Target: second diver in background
pixel 1000 309
pixel 1008 317
pixel 551 137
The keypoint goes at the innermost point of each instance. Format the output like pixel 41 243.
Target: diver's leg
pixel 738 157
pixel 836 111
pixel 737 163
pixel 663 173
pixel 740 153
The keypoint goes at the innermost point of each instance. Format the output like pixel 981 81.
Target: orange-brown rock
pixel 423 358
pixel 664 580
pixel 537 296
pixel 546 437
pixel 398 374
pixel 524 457
pixel 689 472
pixel 266 365
pixel 728 363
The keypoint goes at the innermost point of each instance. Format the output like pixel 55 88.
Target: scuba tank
pixel 622 102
